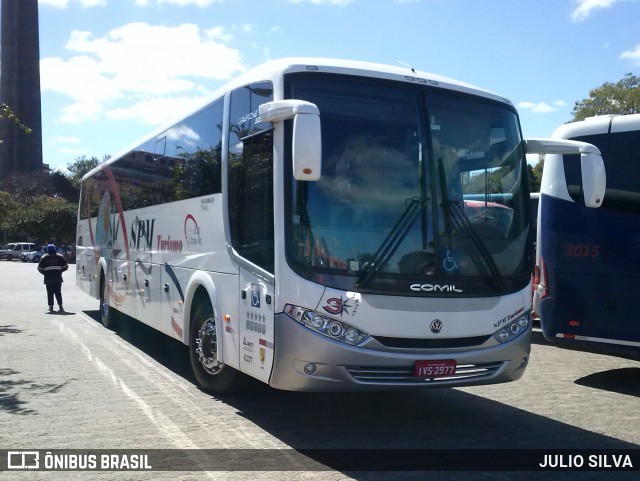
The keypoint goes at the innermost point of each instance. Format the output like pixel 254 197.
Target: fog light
pixel 310 369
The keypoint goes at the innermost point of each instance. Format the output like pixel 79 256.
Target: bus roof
pixel 360 68
pixel 600 124
pixel 274 70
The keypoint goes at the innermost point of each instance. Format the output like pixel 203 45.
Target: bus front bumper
pixel 307 361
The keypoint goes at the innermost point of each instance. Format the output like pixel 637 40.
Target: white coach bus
pixel 324 225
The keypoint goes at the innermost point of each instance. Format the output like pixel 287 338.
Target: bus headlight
pixel 513 329
pixel 332 328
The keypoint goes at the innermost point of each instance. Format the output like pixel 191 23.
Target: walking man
pixel 51 266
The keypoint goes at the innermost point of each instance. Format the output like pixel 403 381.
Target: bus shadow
pixel 169 352
pixel 623 381
pixel 429 422
pixel 432 420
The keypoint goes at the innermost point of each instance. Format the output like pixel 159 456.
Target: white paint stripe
pixel 87 319
pixel 161 422
pixel 598 339
pixel 172 386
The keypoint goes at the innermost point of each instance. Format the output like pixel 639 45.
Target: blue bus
pixel 588 260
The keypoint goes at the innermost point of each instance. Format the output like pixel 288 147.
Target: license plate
pixel 438 368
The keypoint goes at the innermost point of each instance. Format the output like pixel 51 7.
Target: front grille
pixel 404 375
pixel 404 343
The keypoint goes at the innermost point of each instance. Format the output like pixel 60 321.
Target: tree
pixel 61 186
pixel 622 97
pixel 45 219
pixel 535 175
pixel 37 206
pixel 23 186
pixel 79 167
pixel 7 205
pixel 7 113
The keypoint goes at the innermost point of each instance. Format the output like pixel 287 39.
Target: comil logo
pixel 434 288
pixel 23 460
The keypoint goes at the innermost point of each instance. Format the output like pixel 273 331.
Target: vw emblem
pixel 436 326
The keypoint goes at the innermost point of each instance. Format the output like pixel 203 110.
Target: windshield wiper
pixel 455 214
pixel 390 245
pixel 461 222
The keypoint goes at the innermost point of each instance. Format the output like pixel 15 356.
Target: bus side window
pixel 250 177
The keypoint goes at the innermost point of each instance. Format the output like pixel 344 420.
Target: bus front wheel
pixel 107 315
pixel 210 372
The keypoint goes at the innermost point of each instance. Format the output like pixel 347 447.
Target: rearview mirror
pixel 594 178
pixel 306 138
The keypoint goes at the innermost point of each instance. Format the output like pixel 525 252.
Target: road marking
pixel 162 423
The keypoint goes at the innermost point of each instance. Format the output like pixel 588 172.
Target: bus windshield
pixel 418 189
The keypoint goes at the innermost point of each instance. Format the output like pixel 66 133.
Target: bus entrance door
pixel 256 326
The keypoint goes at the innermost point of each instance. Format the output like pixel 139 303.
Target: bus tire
pixel 211 374
pixel 108 316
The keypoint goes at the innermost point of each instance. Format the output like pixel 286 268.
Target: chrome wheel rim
pixel 207 347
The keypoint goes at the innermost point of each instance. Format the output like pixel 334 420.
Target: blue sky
pixel 114 70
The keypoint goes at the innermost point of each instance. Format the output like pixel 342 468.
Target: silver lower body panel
pixel 372 367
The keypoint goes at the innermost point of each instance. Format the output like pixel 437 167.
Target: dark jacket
pixel 52 266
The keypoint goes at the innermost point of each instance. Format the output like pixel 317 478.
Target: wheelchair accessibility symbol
pixel 449 262
pixel 255 296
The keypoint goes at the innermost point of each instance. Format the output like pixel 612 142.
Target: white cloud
pixel 79 78
pixel 585 8
pixel 138 3
pixel 54 3
pixel 136 62
pixel 633 55
pixel 542 107
pixel 68 151
pixel 218 33
pixel 340 3
pixel 148 52
pixel 197 3
pixel 65 3
pixel 61 139
pixel 81 112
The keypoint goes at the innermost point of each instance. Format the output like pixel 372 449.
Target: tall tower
pixel 20 86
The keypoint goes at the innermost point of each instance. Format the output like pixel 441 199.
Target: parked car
pixel 15 249
pixel 36 255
